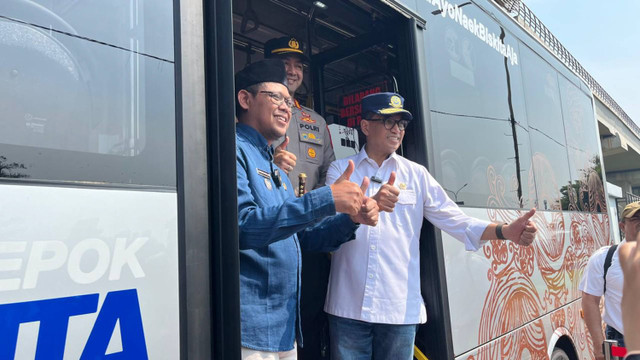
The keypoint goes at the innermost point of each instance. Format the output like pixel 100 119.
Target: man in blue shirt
pixel 273 223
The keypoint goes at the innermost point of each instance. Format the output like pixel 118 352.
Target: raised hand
pixel 368 214
pixel 347 195
pixel 284 159
pixel 387 196
pixel 522 231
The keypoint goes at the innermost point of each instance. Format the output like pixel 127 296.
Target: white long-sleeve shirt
pixel 376 277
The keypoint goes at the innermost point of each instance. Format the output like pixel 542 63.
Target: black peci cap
pixel 268 70
pixel 285 46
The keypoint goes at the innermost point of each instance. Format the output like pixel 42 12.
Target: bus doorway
pixel 355 48
pixel 389 60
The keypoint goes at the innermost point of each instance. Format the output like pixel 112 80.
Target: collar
pixel 254 137
pixel 362 155
pixel 297 104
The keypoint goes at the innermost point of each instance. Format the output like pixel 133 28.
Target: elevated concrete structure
pixel 620 150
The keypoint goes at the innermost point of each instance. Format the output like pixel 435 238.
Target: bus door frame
pixel 209 294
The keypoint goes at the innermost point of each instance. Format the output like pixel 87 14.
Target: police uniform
pixel 310 142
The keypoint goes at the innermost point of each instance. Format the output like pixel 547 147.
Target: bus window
pixel 87 100
pixel 467 67
pixel 477 162
pixel 479 126
pixel 583 149
pixel 548 145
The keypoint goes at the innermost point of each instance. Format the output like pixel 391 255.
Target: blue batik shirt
pixel 273 226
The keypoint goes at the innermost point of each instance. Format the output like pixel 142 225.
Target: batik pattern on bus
pixel 558 256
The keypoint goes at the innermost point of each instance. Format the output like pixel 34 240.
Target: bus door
pixel 356 48
pixel 390 59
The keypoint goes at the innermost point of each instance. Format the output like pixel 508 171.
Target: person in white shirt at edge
pixel 592 287
pixel 373 299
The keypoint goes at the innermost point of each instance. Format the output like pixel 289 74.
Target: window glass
pixel 76 109
pixel 477 163
pixel 546 128
pixel 583 149
pixel 551 172
pixel 142 26
pixel 474 69
pixel 544 110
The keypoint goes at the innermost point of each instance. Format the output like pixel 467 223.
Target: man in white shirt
pixel 593 286
pixel 373 299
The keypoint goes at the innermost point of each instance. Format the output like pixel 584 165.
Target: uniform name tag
pixel 264 174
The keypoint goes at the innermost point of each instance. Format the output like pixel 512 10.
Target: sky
pixel 604 36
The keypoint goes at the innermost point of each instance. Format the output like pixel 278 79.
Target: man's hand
pixel 284 159
pixel 522 231
pixel 368 214
pixel 348 196
pixel 387 196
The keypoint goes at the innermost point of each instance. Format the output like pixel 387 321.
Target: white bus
pixel 118 219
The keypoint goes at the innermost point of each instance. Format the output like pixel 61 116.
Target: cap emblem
pixel 395 102
pixel 293 43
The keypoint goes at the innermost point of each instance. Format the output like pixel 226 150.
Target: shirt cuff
pixel 322 202
pixel 344 225
pixel 474 232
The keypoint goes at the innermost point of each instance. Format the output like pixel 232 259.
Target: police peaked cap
pixel 268 70
pixel 285 46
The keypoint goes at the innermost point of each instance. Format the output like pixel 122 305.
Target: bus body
pixel 117 169
pixel 506 301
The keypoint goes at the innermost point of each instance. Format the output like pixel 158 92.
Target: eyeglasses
pixel 389 123
pixel 278 98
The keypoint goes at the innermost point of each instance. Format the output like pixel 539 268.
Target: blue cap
pixel 386 103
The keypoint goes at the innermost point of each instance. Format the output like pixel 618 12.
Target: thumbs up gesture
pixel 284 159
pixel 348 196
pixel 522 231
pixel 387 196
pixel 369 213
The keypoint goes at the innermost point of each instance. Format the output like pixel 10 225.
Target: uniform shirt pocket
pixel 407 197
pixel 310 134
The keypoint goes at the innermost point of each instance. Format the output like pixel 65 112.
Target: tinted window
pixel 471 68
pixel 551 172
pixel 583 148
pixel 477 161
pixel 142 26
pixel 544 109
pixel 72 108
pixel 548 146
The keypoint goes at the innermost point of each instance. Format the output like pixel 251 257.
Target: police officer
pixel 306 148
